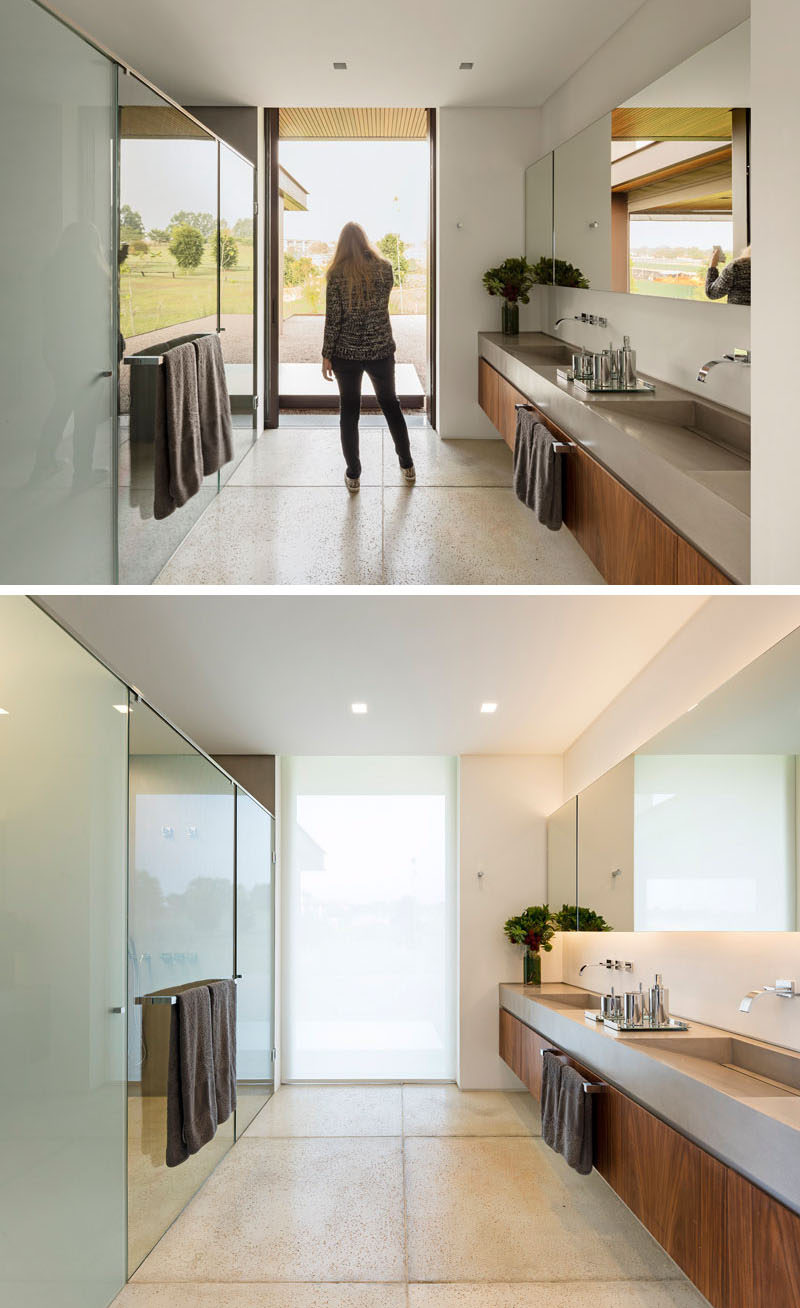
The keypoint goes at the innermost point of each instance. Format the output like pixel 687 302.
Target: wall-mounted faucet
pixel 742 357
pixel 783 989
pixel 592 319
pixel 610 964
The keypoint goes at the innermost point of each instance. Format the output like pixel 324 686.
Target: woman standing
pixel 733 281
pixel 358 339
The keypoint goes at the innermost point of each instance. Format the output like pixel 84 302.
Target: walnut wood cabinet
pixel 627 542
pixel 739 1246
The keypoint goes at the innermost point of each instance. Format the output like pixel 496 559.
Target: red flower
pixel 534 941
pixel 510 293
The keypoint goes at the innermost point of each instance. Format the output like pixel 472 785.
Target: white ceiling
pixel 277 674
pixel 267 53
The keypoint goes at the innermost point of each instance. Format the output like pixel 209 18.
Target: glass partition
pixel 254 958
pixel 181 930
pixel 168 294
pixel 58 336
pixel 63 750
pixel 236 295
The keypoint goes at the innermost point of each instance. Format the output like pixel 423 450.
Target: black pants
pixel 348 374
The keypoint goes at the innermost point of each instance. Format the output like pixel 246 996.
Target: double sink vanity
pixel 657 485
pixel 698 1132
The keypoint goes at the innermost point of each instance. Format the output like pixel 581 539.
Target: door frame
pixel 273 264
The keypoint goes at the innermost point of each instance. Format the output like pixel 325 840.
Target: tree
pixel 187 246
pixel 228 250
pixel 296 269
pixel 131 220
pixel 243 229
pixel 204 222
pixel 393 249
pixel 159 235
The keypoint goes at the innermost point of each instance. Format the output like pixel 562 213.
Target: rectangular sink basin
pixel 557 355
pixel 721 426
pixel 571 999
pixel 759 1072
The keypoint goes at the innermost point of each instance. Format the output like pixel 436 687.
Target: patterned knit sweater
pixel 359 331
pixel 733 281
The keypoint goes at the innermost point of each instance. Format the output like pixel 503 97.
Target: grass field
pixel 415 301
pixel 155 293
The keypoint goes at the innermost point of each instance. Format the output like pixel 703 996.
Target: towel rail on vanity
pixel 589 1087
pixel 559 447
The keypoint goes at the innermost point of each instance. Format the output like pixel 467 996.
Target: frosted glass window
pixel 369 892
pixel 714 842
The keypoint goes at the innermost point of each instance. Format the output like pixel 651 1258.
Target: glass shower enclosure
pixel 125 225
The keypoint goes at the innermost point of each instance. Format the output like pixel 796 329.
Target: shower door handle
pixel 120 1009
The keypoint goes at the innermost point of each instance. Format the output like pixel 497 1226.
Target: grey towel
pixel 223 1032
pixel 552 1063
pixel 178 455
pixel 574 1121
pixel 191 1089
pixel 216 430
pixel 537 470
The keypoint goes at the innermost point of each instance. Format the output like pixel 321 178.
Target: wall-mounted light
pixel 358 708
pixel 488 707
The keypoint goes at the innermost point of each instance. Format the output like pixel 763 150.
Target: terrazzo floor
pixel 285 518
pixel 403 1197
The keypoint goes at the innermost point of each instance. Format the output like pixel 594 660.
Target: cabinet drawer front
pixel 763 1254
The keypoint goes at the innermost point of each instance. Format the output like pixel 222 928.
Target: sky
pixel 381 184
pixel 159 178
pixel 702 232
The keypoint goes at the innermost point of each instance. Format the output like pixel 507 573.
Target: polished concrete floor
pixel 285 518
pixel 403 1197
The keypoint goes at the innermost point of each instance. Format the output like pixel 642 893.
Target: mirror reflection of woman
pixel 358 339
pixel 733 281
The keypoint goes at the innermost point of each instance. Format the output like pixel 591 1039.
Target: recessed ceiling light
pixel 339 65
pixel 358 708
pixel 122 708
pixel 488 707
pixel 467 65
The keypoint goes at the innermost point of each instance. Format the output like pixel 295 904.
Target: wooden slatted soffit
pixel 353 124
pixel 685 124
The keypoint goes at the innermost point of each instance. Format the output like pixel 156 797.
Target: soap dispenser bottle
pixel 628 378
pixel 659 1002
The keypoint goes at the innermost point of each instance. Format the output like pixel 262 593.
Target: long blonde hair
pixel 356 262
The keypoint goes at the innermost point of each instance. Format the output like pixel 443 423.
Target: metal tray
pixel 672 1025
pixel 641 388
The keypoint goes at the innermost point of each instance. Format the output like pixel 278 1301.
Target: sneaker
pixel 409 475
pixel 352 483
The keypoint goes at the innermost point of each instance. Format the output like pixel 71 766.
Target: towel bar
pixel 559 447
pixel 589 1087
pixel 155 359
pixel 169 998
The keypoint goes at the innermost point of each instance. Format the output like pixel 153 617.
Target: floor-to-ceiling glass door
pixel 369 889
pixel 63 778
pixel 255 958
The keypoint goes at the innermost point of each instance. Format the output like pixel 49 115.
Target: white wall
pixel 723 636
pixel 504 804
pixel 482 157
pixel 775 206
pixel 707 972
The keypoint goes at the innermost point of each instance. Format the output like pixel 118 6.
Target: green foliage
pixel 297 269
pixel 228 250
pixel 534 928
pixel 186 246
pixel 130 220
pixel 159 235
pixel 393 249
pixel 565 274
pixel 204 222
pixel 569 915
pixel 512 279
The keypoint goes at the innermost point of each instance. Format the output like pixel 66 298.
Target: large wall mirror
pixel 651 196
pixel 698 831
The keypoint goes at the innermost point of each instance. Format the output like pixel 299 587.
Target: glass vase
pixel 510 319
pixel 532 968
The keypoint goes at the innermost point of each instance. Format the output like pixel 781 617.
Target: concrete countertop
pixel 699 487
pixel 757 1134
